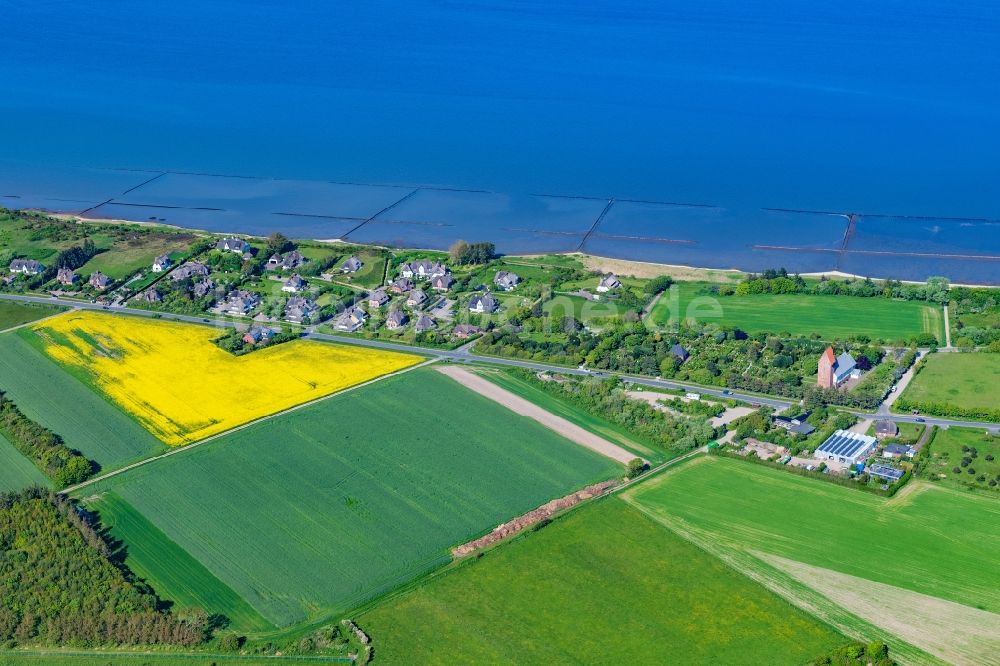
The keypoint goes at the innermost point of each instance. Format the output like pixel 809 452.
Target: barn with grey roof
pixel 845 447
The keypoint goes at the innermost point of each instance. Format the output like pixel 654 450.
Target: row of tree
pixel 46 449
pixel 59 587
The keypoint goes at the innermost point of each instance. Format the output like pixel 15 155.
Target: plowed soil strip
pixel 523 407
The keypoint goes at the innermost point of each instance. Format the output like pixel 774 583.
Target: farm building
pixel 890 474
pixel 609 282
pixel 483 304
pixel 835 370
pixel 505 280
pixel 26 267
pixel 886 428
pixel 795 424
pixel 846 447
pixel 161 263
pixel 351 265
pixel 65 276
pixel 898 451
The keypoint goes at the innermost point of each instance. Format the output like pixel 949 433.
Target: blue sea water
pixel 889 108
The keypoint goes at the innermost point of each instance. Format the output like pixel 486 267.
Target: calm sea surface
pixel 888 108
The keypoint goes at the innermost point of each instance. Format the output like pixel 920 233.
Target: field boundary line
pixel 38 321
pixel 540 415
pixel 180 449
pixel 166 656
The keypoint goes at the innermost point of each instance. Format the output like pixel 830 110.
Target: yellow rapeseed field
pixel 183 388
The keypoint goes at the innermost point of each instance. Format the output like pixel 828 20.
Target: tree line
pixel 65 466
pixel 59 587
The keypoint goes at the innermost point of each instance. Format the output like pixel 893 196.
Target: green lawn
pixel 946 454
pixel 16 471
pixel 85 420
pixel 609 431
pixel 14 314
pixel 931 539
pixel 584 311
pixel 602 585
pixel 129 256
pixel 967 380
pixel 151 553
pixel 316 511
pixel 830 317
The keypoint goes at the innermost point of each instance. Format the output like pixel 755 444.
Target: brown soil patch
pixel 533 517
pixel 519 405
pixel 953 632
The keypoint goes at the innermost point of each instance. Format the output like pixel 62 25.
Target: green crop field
pixel 62 403
pixel 112 658
pixel 830 317
pixel 603 584
pixel 191 585
pixel 600 427
pixel 16 471
pixel 928 539
pixel 946 454
pixel 316 511
pixel 14 314
pixel 968 380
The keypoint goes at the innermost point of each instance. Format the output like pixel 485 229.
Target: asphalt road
pixel 463 355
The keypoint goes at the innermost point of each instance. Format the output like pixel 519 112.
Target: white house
pixel 161 263
pixel 26 267
pixel 424 269
pixel 483 304
pixel 351 265
pixel 505 280
pixel 294 284
pixel 233 245
pixel 608 282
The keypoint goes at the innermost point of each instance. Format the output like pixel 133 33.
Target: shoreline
pixel 599 259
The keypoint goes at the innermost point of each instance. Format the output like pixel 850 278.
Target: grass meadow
pixel 14 314
pixel 968 380
pixel 16 471
pixel 85 420
pixel 316 511
pixel 181 387
pixel 829 317
pixel 928 539
pixel 602 584
pixel 946 454
pixel 128 256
